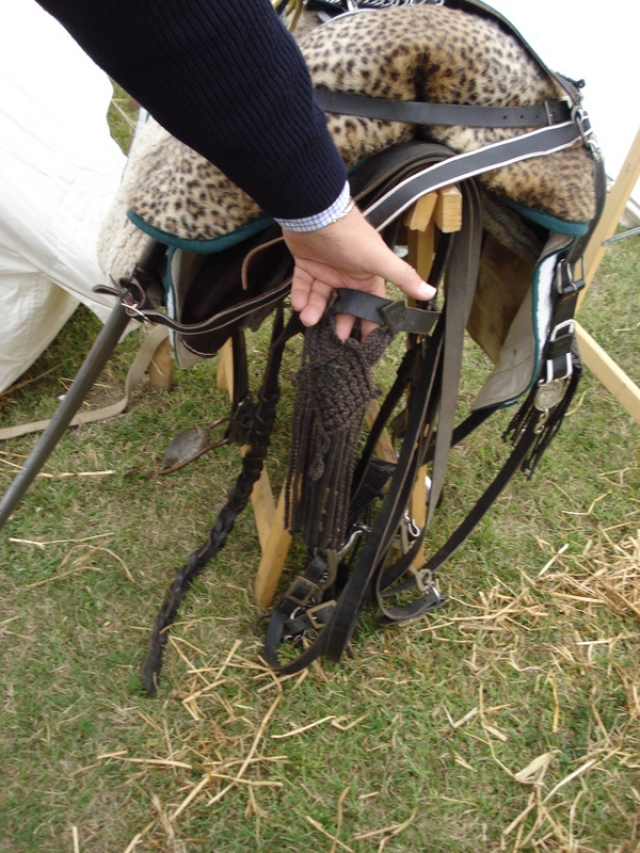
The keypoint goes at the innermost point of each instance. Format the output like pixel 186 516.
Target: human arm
pixel 226 78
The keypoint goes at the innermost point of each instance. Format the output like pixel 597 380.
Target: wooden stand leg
pixel 614 379
pixel 161 368
pixel 274 553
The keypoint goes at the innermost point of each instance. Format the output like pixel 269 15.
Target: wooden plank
pixel 274 553
pixel 614 379
pixel 421 245
pixel 419 216
pixel 264 507
pixel 224 380
pixel 161 367
pixel 448 212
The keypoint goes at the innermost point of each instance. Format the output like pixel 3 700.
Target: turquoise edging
pixel 552 223
pixel 203 247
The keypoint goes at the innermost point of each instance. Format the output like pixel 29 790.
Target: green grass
pixel 542 662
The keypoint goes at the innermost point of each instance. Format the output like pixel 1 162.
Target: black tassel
pixel 549 419
pixel 334 389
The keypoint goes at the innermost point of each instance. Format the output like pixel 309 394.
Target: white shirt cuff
pixel 338 210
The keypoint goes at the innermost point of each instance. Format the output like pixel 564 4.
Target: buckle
pixel 566 285
pixel 582 121
pixel 298 595
pixel 562 361
pixel 565 329
pixel 319 615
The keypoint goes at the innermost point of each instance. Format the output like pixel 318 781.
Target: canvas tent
pixel 59 170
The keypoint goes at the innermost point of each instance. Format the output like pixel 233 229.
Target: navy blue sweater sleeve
pixel 227 79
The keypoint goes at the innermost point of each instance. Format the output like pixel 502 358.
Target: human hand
pixel 348 253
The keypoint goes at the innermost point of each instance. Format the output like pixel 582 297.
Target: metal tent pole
pixel 94 362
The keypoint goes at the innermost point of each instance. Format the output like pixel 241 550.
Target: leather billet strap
pixel 554 111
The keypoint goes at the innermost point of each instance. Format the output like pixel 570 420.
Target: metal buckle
pixel 130 305
pixel 581 118
pixel 301 601
pixel 567 327
pixel 313 612
pixel 568 369
pixel 566 285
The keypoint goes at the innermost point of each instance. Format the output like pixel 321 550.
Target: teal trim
pixel 552 223
pixel 202 247
pixel 535 288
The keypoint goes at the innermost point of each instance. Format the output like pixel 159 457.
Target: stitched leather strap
pixel 461 166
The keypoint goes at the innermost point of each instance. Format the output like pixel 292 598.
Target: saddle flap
pixel 237 287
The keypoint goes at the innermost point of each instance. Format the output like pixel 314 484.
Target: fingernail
pixel 426 291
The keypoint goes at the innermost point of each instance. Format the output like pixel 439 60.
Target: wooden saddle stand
pixel 423 196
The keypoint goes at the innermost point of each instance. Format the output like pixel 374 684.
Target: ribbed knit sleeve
pixel 227 79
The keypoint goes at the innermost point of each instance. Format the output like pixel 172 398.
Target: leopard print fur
pixel 424 52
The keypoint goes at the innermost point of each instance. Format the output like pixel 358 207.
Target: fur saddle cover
pixel 422 53
pixel 428 53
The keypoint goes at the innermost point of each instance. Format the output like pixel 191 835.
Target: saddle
pixel 532 189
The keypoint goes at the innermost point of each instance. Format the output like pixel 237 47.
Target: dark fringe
pixel 548 430
pixel 334 389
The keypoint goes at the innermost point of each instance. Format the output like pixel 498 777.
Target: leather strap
pixel 462 166
pixel 551 112
pixel 397 316
pixel 137 370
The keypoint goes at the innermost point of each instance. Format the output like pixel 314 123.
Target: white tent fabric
pixel 59 171
pixel 597 42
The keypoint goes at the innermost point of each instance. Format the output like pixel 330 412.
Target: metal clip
pixel 424 579
pixel 409 532
pixel 358 531
pixel 581 118
pixel 542 422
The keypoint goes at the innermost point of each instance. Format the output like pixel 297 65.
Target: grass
pixel 418 742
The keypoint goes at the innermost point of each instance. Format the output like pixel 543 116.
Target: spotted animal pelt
pixel 424 52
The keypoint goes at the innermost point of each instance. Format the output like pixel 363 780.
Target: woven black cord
pixel 334 389
pixel 238 499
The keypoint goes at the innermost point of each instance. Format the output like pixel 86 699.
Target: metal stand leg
pixel 87 375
